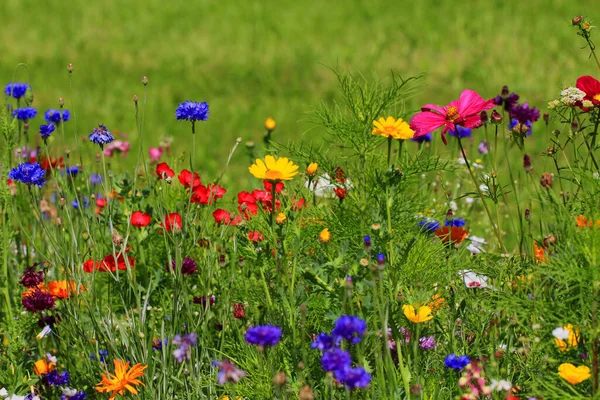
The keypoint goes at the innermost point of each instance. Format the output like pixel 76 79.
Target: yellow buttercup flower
pixel 270 124
pixel 43 367
pixel 572 374
pixel 311 170
pixel 422 315
pixel 274 170
pixel 123 379
pixel 325 235
pixel 572 340
pixel 394 128
pixel 280 218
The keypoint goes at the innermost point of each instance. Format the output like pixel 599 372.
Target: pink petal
pixel 472 121
pixel 430 107
pixel 471 103
pixel 426 122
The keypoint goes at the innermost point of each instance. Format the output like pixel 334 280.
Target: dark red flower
pixel 591 87
pixel 207 194
pixel 256 236
pixel 38 300
pixel 172 221
pixel 340 192
pixel 185 178
pixel 140 219
pixel 238 310
pixel 204 300
pixel 188 266
pixel 339 175
pixel 163 171
pixel 31 278
pixel 109 263
pixel 269 187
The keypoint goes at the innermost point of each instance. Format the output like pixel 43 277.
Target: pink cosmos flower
pixel 465 112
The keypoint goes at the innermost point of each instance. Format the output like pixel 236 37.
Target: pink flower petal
pixel 426 122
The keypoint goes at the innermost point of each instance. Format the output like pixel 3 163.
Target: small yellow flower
pixel 572 374
pixel 325 235
pixel 422 315
pixel 270 124
pixel 311 170
pixel 394 128
pixel 274 170
pixel 280 218
pixel 572 341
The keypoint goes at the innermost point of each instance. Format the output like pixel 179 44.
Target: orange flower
pixel 43 367
pixel 453 234
pixel 62 290
pixel 582 222
pixel 572 341
pixel 539 253
pixel 437 303
pixel 123 378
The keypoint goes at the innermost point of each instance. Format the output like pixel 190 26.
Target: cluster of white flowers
pixel 571 96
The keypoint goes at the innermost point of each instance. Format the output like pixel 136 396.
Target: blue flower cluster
pixel 185 343
pixel 423 138
pixel 192 111
pixel 101 135
pixel 263 335
pixel 338 361
pixel 55 379
pixel 16 90
pixel 454 362
pixel 57 116
pixel 46 130
pixel 29 174
pixel 77 396
pixel 429 225
pixel 25 113
pixel 457 222
pixel 461 132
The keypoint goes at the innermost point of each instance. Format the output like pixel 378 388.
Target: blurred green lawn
pixel 255 59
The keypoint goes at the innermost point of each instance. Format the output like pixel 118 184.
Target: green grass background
pixel 255 59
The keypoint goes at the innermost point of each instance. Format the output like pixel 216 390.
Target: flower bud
pixel 250 144
pixel 577 20
pixel 484 117
pixel 61 102
pixel 546 117
pixel 222 260
pixel 546 180
pixel 270 124
pixel 381 259
pixel 527 214
pixel 70 67
pixel 306 394
pixel 367 241
pixel 145 80
pixel 449 214
pixel 312 168
pixel 117 239
pixel 574 127
pixel 279 379
pixel 496 118
pixel 135 98
pixel 527 163
pixel 504 93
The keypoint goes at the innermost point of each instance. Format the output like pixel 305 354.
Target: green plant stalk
pixel 487 210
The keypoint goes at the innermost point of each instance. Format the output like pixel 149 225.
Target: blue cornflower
pixel 57 116
pixel 56 379
pixel 462 132
pixel 95 179
pixel 86 203
pixel 264 335
pixel 524 113
pixel 192 111
pixel 350 328
pixel 101 135
pixel 29 174
pixel 103 354
pixel 46 130
pixel 16 90
pixel 25 113
pixel 185 343
pixel 323 342
pixel 335 359
pixel 429 225
pixel 353 378
pixel 367 241
pixel 423 138
pixel 454 362
pixel 77 396
pixel 457 222
pixel 514 122
pixel 381 259
pixel 71 171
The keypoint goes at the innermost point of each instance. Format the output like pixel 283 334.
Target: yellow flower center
pixel 452 113
pixel 273 175
pixel 597 97
pixel 389 129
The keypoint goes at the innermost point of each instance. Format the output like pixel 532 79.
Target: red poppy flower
pixel 297 205
pixel 256 236
pixel 452 234
pixel 269 187
pixel 163 171
pixel 109 263
pixel 207 194
pixel 247 204
pixel 172 222
pixel 48 164
pixel 591 87
pixel 140 219
pixel 185 178
pixel 222 216
pixel 264 197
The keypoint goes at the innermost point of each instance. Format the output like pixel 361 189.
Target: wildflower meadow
pixel 409 253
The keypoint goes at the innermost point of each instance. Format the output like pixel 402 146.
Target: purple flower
pixel 29 174
pixel 322 342
pixel 204 300
pixel 185 343
pixel 454 362
pixel 263 335
pixel 350 328
pixel 46 130
pixel 16 90
pixel 335 359
pixel 461 132
pixel 38 301
pixel 95 179
pixel 192 111
pixel 522 113
pixel 55 379
pixel 57 116
pixel 353 378
pixel 31 277
pixel 507 101
pixel 77 396
pixel 25 113
pixel 188 267
pixel 228 372
pixel 427 342
pixel 101 136
pixel 483 147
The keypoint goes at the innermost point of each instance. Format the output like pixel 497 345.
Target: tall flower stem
pixel 487 210
pixel 389 151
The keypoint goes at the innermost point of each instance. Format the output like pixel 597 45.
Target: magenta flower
pixel 464 112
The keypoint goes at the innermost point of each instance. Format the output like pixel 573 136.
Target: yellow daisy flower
pixel 394 128
pixel 422 315
pixel 274 170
